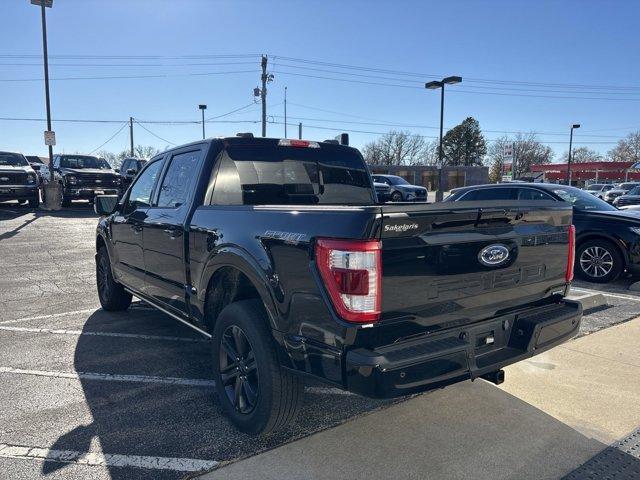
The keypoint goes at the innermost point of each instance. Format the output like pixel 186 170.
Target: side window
pixel 56 161
pixel 125 166
pixel 489 194
pixel 140 194
pixel 532 194
pixel 179 180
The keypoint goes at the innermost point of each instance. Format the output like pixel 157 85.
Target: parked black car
pixel 618 191
pixel 18 181
pixel 84 177
pixel 128 171
pixel 401 190
pixel 278 251
pixel 607 239
pixel 632 197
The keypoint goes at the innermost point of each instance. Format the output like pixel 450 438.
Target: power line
pixel 155 135
pixel 120 77
pixel 127 64
pixel 232 111
pixel 110 138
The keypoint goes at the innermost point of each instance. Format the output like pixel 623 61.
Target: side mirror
pixel 105 204
pixel 131 171
pixel 117 170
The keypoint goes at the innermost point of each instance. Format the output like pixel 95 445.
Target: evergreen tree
pixel 464 144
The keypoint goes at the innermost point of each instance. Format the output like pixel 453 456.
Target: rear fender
pixel 241 260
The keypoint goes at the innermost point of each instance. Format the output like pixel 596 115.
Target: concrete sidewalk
pixel 554 413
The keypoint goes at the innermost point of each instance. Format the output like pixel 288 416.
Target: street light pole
pixel 575 125
pixel 202 108
pixel 433 85
pixel 285 112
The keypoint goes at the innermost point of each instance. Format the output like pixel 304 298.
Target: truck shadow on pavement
pixel 464 428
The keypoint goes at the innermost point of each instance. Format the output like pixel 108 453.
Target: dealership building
pixel 427 175
pixel 584 173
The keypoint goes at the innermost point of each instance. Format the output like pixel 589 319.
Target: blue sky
pixel 558 49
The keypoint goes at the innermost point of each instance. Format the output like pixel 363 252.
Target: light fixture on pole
pixel 432 86
pixel 202 108
pixel 575 125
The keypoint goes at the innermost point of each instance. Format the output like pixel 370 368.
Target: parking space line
pixel 96 459
pixel 101 334
pixel 607 294
pixel 111 377
pixel 52 315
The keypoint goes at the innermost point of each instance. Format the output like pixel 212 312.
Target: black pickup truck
pixel 84 177
pixel 278 251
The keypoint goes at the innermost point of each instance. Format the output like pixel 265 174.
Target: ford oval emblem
pixel 493 255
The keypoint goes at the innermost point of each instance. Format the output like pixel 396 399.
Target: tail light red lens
pixel 571 258
pixel 352 274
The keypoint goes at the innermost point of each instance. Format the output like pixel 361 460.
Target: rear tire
pixel 269 397
pixel 113 297
pixel 34 202
pixel 396 197
pixel 598 261
pixel 66 202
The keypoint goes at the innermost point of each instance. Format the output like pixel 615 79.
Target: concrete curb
pixel 589 300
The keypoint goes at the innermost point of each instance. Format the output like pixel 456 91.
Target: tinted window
pixel 125 166
pixel 13 160
pixel 179 179
pixel 266 175
pixel 627 186
pixel 489 194
pixel 596 186
pixel 140 195
pixel 634 191
pixel 532 194
pixel 83 161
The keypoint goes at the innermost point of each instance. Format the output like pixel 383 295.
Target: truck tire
pixel 112 295
pixel 256 394
pixel 66 202
pixel 598 261
pixel 34 202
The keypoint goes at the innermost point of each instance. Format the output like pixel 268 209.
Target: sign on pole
pixel 508 151
pixel 47 3
pixel 49 137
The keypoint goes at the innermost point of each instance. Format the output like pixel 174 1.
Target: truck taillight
pixel 352 274
pixel 572 254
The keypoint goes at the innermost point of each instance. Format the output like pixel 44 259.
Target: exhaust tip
pixel 496 377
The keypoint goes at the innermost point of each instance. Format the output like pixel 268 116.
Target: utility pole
pixel 285 112
pixel 131 133
pixel 300 131
pixel 263 95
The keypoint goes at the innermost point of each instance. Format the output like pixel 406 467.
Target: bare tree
pixel 582 155
pixel 627 149
pixel 398 148
pixel 527 149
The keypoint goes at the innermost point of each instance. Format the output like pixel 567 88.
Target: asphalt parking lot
pixel 91 394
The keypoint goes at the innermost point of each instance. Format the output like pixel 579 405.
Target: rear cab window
pixel 266 173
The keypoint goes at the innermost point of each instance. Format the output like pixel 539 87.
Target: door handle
pixel 172 232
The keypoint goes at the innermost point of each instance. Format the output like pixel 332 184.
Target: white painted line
pixel 53 315
pixel 100 334
pixel 96 459
pixel 607 294
pixel 111 377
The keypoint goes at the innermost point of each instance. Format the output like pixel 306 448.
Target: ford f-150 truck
pixel 278 251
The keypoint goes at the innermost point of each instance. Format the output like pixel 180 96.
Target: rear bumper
pixel 460 353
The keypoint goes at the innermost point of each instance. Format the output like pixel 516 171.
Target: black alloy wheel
pixel 238 370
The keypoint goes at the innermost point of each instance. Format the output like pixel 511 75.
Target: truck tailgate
pixel 449 264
